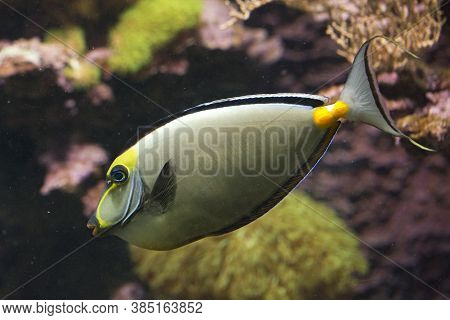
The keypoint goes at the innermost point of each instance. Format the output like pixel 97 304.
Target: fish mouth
pixel 93 228
pixel 93 225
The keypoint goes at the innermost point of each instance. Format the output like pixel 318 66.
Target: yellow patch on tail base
pixel 322 117
pixel 340 109
pixel 326 116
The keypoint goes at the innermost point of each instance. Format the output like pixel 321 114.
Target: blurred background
pixel 78 77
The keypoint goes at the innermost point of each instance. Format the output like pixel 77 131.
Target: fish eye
pixel 119 174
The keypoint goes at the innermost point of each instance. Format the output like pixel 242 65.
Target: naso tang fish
pixel 158 198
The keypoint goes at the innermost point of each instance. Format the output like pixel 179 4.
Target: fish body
pixel 223 164
pixel 228 193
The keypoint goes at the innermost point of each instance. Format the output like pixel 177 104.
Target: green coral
pixel 299 250
pixel 82 74
pixel 147 26
pixel 73 36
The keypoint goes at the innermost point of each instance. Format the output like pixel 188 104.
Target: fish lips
pixel 93 225
pixel 133 203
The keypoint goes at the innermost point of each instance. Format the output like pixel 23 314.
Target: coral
pixel 72 36
pixel 317 7
pixel 421 126
pixel 82 74
pixel 257 42
pixel 212 36
pixel 146 27
pixel 415 25
pixel 79 163
pixel 300 249
pixel 241 9
pixel 23 56
pixel 431 123
pixel 440 102
pixel 45 65
pixel 428 121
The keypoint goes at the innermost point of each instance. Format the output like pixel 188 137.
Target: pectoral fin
pixel 165 187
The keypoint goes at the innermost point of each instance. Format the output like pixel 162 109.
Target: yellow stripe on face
pixel 128 159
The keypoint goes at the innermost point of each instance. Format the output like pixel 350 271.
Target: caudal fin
pixel 362 95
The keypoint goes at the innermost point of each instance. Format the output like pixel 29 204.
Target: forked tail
pixel 362 95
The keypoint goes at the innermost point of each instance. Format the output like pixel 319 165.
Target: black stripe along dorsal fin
pixel 301 99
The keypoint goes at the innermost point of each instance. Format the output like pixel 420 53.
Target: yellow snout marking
pixel 325 116
pixel 102 222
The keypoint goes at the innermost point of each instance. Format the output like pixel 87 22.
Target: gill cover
pixel 120 201
pixel 362 94
pixel 122 197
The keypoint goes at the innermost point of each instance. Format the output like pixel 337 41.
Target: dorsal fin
pixel 302 99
